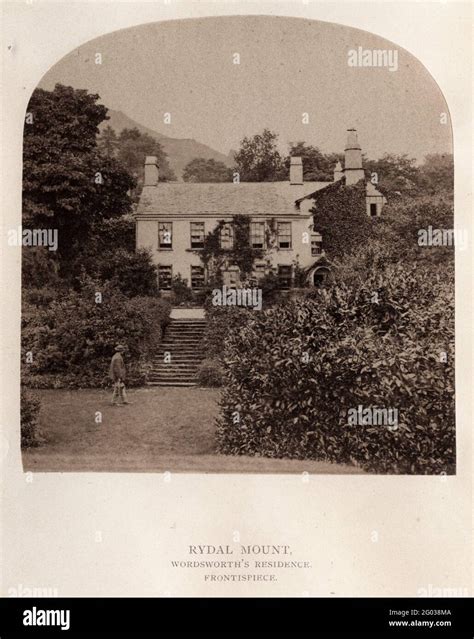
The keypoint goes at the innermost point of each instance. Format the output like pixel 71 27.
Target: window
pixel 227 237
pixel 284 235
pixel 316 248
pixel 197 276
pixel 257 234
pixel 165 235
pixel 373 210
pixel 164 277
pixel 197 235
pixel 284 275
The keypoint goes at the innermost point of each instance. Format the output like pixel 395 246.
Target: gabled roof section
pixel 327 188
pixel 225 198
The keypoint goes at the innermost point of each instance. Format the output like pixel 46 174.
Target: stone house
pixel 173 218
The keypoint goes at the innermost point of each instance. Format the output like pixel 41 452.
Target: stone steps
pixel 183 340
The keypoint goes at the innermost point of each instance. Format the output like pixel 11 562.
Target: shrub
pixel 29 418
pixel 181 291
pixel 210 373
pixel 292 373
pixel 72 340
pixel 221 322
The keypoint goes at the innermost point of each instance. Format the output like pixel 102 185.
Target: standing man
pixel 117 373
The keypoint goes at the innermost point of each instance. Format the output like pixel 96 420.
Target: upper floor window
pixel 165 235
pixel 257 234
pixel 197 235
pixel 284 235
pixel 227 236
pixel 316 245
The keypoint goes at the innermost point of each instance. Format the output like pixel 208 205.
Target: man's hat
pixel 119 347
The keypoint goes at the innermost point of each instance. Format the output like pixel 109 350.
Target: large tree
pixel 394 174
pixel 202 170
pixel 68 184
pixel 437 173
pixel 317 166
pixel 133 146
pixel 258 159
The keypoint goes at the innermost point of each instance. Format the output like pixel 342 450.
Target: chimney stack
pixel 353 170
pixel 151 170
pixel 338 172
pixel 296 170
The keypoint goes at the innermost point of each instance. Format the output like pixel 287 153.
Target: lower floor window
pixel 197 276
pixel 165 274
pixel 284 276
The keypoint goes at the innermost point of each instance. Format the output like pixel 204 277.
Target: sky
pixel 288 67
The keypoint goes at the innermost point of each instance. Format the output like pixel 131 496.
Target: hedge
pixel 69 343
pixel 29 418
pixel 293 372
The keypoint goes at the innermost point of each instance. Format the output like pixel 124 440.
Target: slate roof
pixel 224 198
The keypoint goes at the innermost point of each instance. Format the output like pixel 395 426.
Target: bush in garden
pixel 210 373
pixel 221 322
pixel 132 272
pixel 294 371
pixel 70 341
pixel 29 418
pixel 182 293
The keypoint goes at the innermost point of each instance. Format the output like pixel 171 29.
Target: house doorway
pixel 320 276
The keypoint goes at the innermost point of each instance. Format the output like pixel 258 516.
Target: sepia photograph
pixel 237 317
pixel 238 254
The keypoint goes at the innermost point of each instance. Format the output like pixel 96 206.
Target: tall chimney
pixel 353 170
pixel 151 170
pixel 296 170
pixel 338 172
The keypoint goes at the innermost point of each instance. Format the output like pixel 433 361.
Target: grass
pixel 164 429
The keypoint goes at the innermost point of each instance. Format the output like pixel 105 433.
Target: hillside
pixel 179 151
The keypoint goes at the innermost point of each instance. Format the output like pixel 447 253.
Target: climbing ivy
pixel 215 258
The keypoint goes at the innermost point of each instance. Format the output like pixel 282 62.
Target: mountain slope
pixel 179 151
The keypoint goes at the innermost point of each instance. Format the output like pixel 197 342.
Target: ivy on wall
pixel 240 253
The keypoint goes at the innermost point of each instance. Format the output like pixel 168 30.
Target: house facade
pixel 173 218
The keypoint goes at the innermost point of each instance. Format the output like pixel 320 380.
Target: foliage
pixel 182 293
pixel 133 273
pixel 202 170
pixel 292 373
pixel 270 286
pixel 437 173
pixel 215 258
pixel 132 149
pixel 317 166
pixel 210 373
pixel 68 184
pixel 30 405
pixel 221 321
pixel 395 173
pixel 340 216
pixel 39 267
pixel 74 337
pixel 258 159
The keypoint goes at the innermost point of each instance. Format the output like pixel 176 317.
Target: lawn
pixel 164 429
